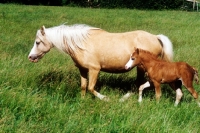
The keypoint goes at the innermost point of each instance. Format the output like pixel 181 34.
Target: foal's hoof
pixel 140 100
pixel 198 104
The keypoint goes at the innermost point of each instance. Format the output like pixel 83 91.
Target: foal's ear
pixel 42 29
pixel 137 50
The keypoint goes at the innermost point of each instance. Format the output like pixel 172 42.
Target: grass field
pixel 45 96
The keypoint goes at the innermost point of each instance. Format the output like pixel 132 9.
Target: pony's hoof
pixel 121 100
pixel 106 99
pixel 175 105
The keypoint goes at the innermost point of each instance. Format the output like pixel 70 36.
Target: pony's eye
pixel 132 58
pixel 37 43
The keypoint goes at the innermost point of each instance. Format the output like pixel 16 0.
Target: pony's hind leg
pixel 93 74
pixel 140 79
pixel 126 96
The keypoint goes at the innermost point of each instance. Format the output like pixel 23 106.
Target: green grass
pixel 45 96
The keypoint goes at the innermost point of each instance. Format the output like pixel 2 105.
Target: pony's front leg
pixel 140 79
pixel 93 74
pixel 83 81
pixel 142 87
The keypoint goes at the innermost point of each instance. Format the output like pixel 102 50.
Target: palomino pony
pixel 94 50
pixel 159 71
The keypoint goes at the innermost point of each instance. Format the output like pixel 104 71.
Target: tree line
pixel 131 4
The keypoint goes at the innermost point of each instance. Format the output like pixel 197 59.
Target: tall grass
pixel 45 96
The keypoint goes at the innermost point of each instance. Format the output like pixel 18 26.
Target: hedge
pixel 131 4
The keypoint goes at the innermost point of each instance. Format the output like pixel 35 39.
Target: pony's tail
pixel 167 47
pixel 196 77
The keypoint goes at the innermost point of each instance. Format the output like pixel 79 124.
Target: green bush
pixel 141 4
pixel 136 4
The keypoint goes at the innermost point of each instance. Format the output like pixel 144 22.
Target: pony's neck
pixel 54 37
pixel 69 39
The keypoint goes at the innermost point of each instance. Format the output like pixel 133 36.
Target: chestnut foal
pixel 159 71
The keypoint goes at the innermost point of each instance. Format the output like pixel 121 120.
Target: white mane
pixel 68 38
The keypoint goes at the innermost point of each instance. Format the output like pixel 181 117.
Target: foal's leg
pixel 157 90
pixel 93 74
pixel 188 84
pixel 142 87
pixel 194 94
pixel 179 95
pixel 176 86
pixel 138 82
pixel 83 81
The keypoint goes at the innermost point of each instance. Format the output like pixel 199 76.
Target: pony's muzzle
pixel 33 58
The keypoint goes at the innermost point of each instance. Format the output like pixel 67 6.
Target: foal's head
pixel 134 60
pixel 41 46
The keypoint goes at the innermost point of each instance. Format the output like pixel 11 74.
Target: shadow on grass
pixel 67 84
pixel 116 81
pixel 59 82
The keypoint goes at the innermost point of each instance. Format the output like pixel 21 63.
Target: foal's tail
pixel 167 47
pixel 196 77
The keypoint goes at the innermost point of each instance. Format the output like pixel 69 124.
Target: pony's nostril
pixel 32 57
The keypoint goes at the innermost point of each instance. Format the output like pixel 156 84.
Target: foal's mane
pixel 68 38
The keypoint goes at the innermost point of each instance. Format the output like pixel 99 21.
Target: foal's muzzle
pixel 127 67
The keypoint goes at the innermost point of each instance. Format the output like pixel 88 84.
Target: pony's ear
pixel 42 29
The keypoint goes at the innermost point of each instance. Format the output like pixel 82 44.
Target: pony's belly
pixel 114 70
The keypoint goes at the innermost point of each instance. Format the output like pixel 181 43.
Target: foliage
pixel 141 4
pixel 45 96
pixel 132 4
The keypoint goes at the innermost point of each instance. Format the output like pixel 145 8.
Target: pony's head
pixel 134 60
pixel 41 46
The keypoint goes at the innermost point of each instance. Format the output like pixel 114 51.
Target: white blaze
pixel 129 64
pixel 33 50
